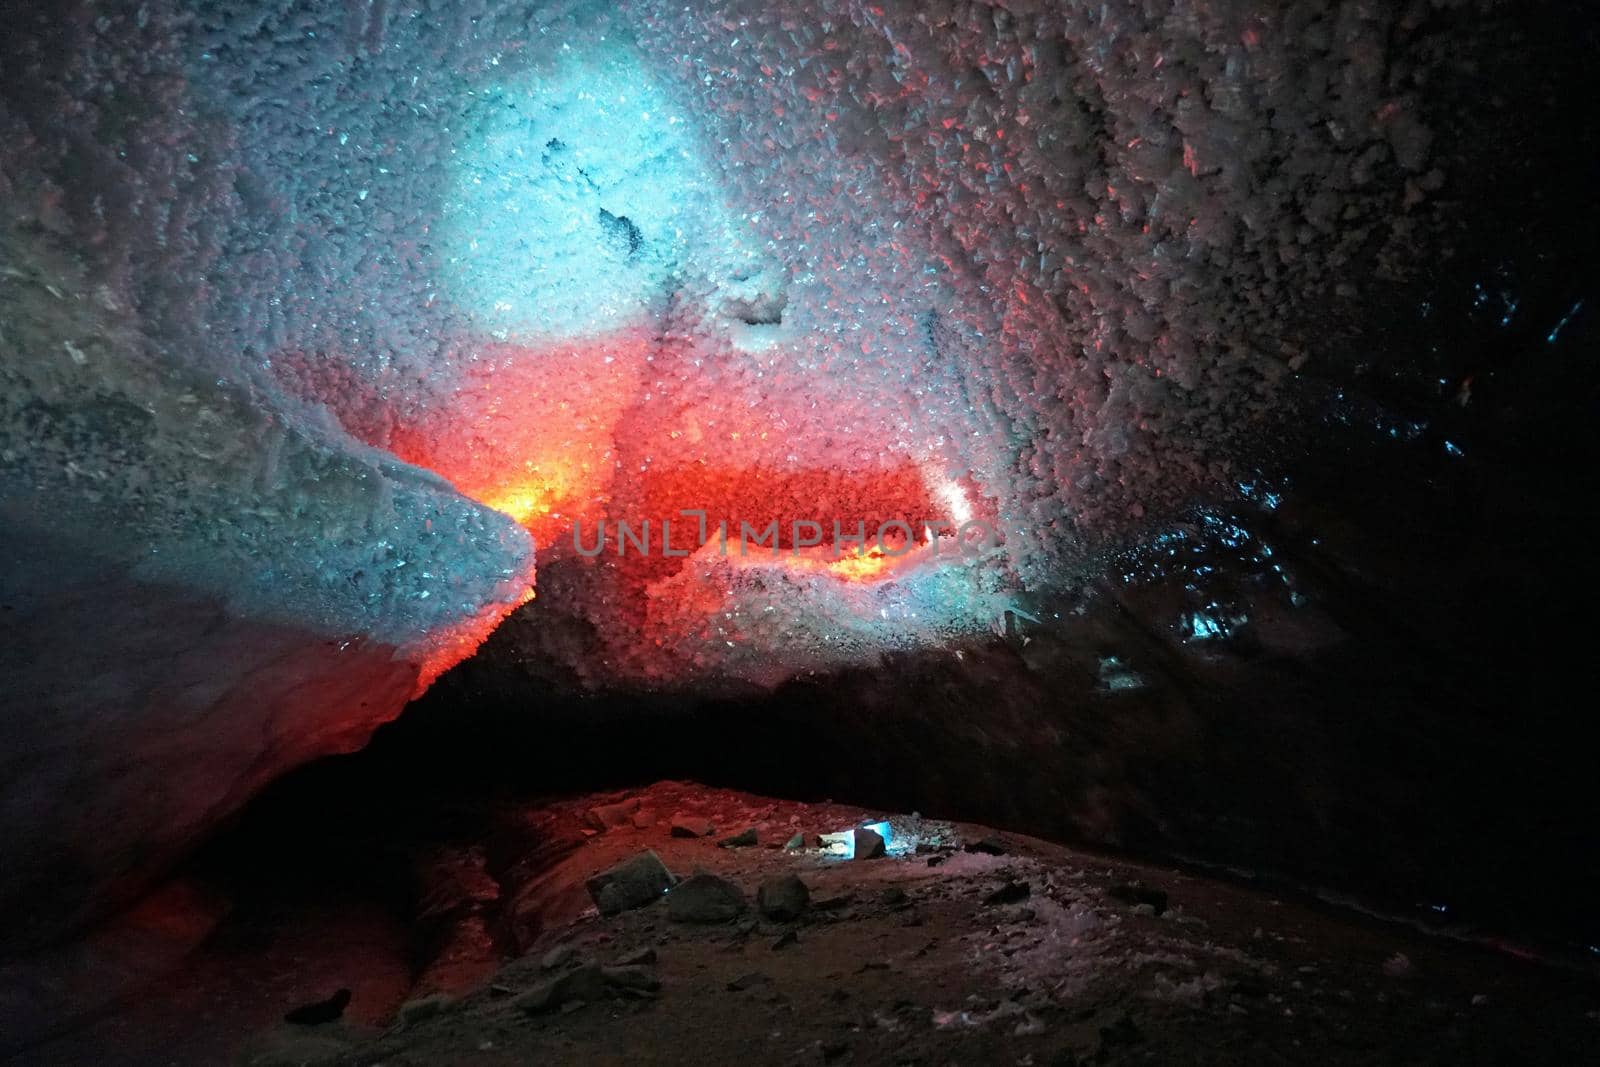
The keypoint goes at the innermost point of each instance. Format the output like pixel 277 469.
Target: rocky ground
pixel 734 928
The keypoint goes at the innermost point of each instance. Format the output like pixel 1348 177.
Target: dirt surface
pixel 931 954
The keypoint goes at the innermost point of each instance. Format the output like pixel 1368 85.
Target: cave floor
pixel 931 954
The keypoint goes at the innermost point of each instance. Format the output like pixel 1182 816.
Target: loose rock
pixel 705 898
pixel 636 978
pixel 587 983
pixel 630 884
pixel 989 846
pixel 611 816
pixel 691 826
pixel 1139 894
pixel 869 844
pixel 415 1011
pixel 747 839
pixel 783 899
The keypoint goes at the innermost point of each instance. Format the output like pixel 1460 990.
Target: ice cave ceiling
pixel 332 324
pixel 1038 264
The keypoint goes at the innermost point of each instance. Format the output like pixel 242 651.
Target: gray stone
pixel 705 898
pixel 783 899
pixel 990 846
pixel 747 839
pixel 869 844
pixel 611 816
pixel 587 983
pixel 415 1011
pixel 1140 894
pixel 796 842
pixel 631 884
pixel 691 826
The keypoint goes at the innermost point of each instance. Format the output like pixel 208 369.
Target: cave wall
pixel 176 710
pixel 273 360
pixel 202 583
pixel 198 593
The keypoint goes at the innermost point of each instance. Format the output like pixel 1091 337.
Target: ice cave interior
pixel 1153 426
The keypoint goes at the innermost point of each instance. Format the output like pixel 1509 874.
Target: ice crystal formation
pixel 310 306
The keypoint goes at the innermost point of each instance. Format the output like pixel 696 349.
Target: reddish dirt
pixel 903 960
pixel 907 959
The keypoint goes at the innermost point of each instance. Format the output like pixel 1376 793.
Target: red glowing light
pixel 564 436
pixel 530 431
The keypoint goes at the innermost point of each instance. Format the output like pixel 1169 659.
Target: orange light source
pixel 524 502
pixel 537 500
pixel 866 567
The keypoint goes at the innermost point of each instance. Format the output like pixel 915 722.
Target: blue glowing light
pixel 1555 334
pixel 843 843
pixel 1511 311
pixel 577 191
pixel 1260 494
